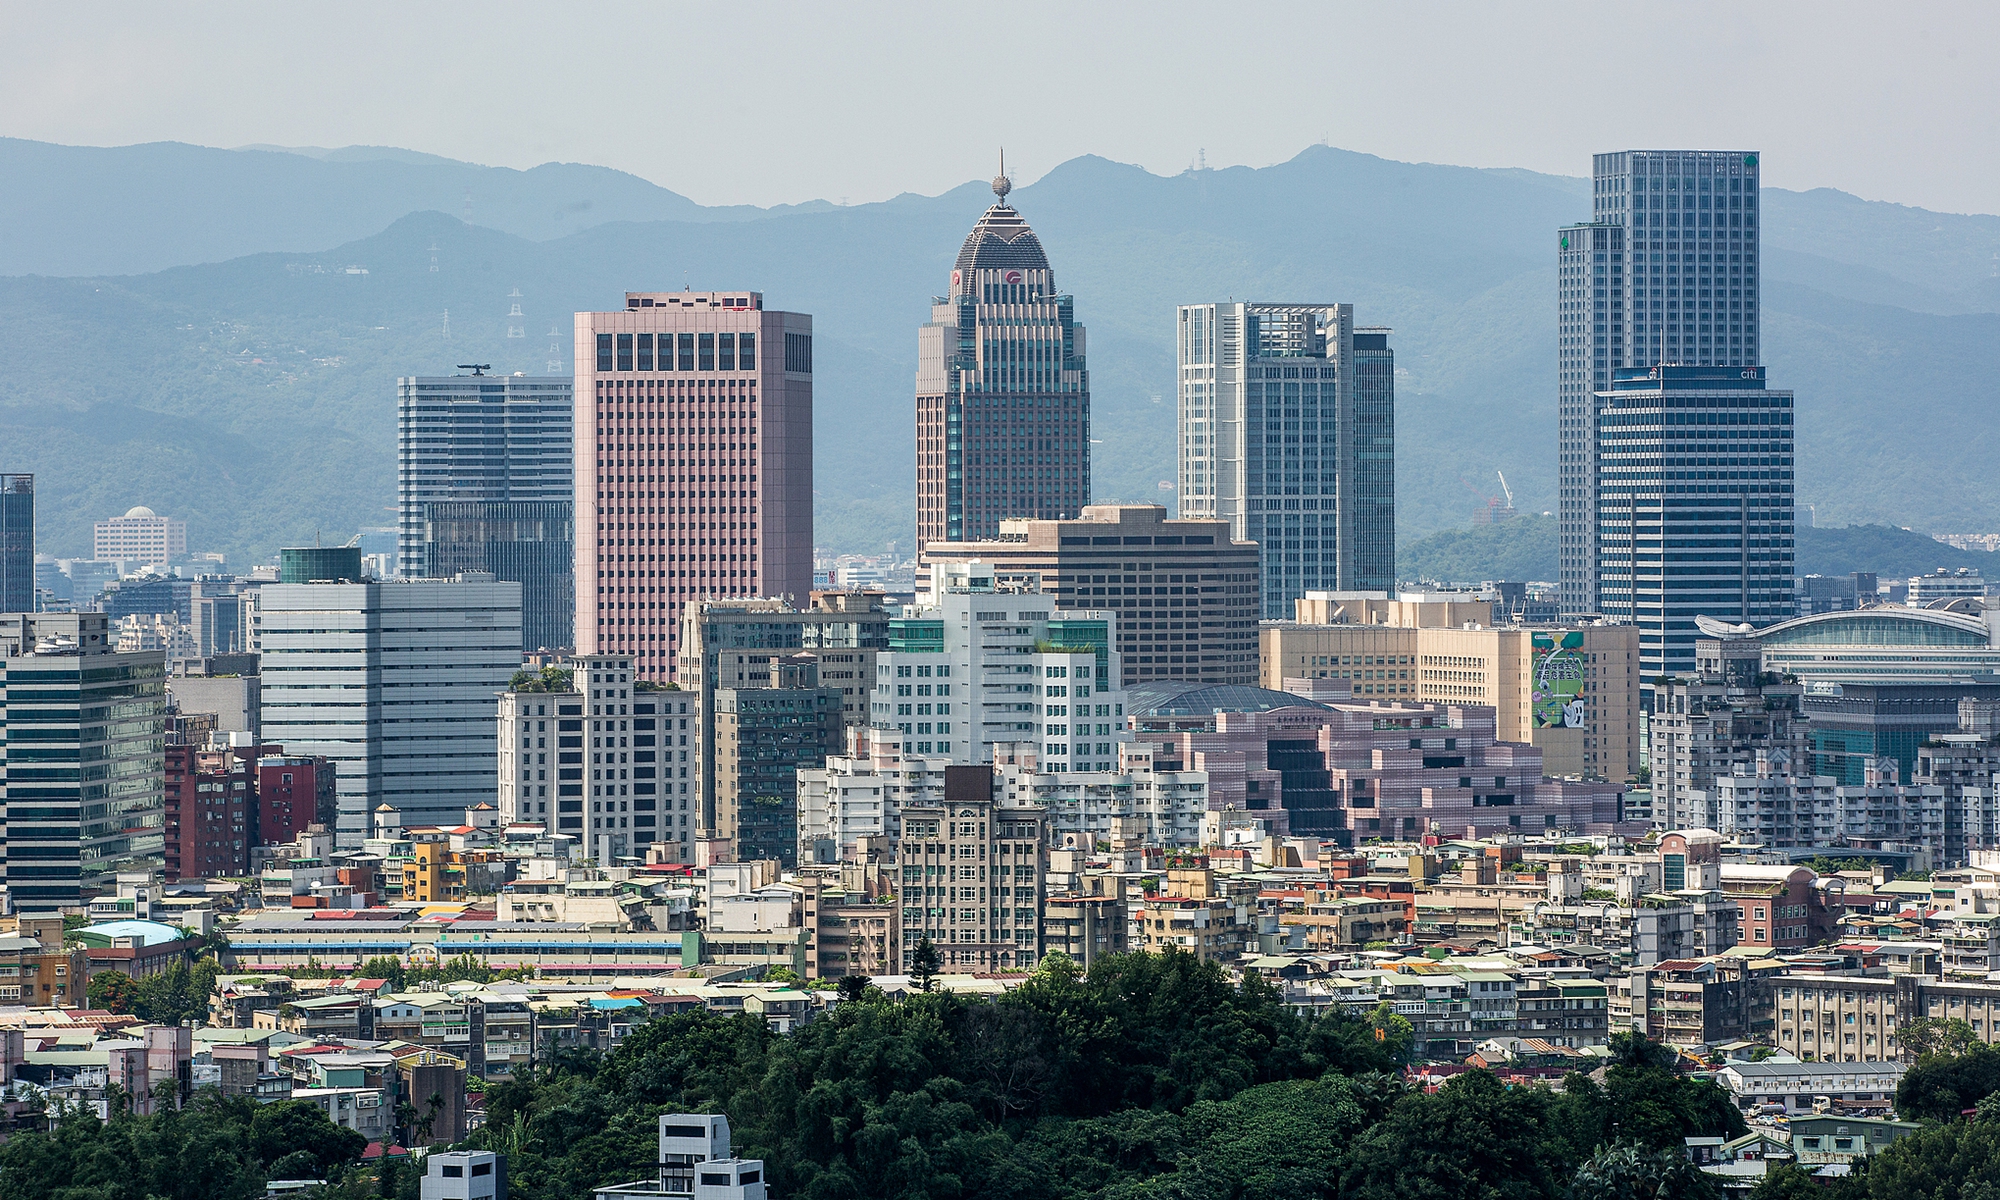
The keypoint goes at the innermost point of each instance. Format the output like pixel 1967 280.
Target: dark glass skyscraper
pixel 531 542
pixel 1287 418
pixel 1003 396
pixel 503 444
pixel 17 543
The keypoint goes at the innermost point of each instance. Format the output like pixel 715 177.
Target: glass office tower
pixel 1287 417
pixel 1664 273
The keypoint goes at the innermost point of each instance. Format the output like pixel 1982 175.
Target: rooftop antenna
pixel 476 368
pixel 1001 184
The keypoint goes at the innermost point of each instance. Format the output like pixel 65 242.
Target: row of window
pixel 692 351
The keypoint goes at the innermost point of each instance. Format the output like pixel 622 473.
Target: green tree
pixel 1629 1171
pixel 854 988
pixel 925 963
pixel 1394 1031
pixel 1787 1181
pixel 1940 1086
pixel 1473 1140
pixel 1935 1036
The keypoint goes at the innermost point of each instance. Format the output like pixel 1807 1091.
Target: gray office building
pixel 485 481
pixel 1287 418
pixel 83 765
pixel 1663 274
pixel 17 543
pixel 394 682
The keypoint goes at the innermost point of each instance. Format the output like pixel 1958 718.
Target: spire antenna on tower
pixel 1001 184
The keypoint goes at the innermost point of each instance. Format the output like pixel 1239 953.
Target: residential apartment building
pixel 972 877
pixel 693 465
pixel 1185 591
pixel 1685 219
pixel 853 803
pixel 393 684
pixel 83 763
pixel 1287 418
pixel 1711 726
pixel 485 481
pixel 541 749
pixel 1003 389
pixel 211 817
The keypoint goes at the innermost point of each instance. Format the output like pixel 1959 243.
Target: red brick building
pixel 222 802
pixel 210 799
pixel 292 793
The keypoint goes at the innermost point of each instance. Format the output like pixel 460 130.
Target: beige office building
pixel 1185 592
pixel 1571 690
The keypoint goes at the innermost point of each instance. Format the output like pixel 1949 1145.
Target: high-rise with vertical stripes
pixel 1287 416
pixel 693 465
pixel 1664 272
pixel 1675 457
pixel 1003 396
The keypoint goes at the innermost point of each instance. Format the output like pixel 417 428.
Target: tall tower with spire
pixel 1003 395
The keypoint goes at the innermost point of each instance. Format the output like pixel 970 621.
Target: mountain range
pixel 216 333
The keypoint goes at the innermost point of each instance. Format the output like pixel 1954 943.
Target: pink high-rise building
pixel 693 465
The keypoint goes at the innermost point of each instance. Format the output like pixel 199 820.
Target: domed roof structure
pixel 140 511
pixel 1001 240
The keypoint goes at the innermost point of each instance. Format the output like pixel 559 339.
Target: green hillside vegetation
pixel 1525 549
pixel 255 396
pixel 1522 549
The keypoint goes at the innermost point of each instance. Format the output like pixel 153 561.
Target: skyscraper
pixel 693 465
pixel 485 481
pixel 1287 417
pixel 85 794
pixel 1003 396
pixel 1693 510
pixel 17 543
pixel 1665 272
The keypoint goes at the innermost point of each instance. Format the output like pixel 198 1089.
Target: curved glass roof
pixel 1201 700
pixel 1879 627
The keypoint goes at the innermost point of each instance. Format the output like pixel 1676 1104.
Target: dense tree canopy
pixel 214 1149
pixel 1152 1077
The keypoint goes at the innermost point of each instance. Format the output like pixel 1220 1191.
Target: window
pixel 726 352
pixel 687 351
pixel 604 352
pixel 705 356
pixel 746 351
pixel 624 351
pixel 645 352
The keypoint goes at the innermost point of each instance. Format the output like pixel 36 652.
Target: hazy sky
pixel 773 102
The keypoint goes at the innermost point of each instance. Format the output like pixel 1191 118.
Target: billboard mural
pixel 1558 689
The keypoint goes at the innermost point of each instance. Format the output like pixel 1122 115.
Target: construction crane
pixel 1504 489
